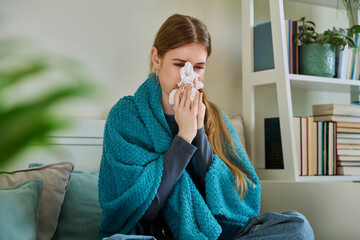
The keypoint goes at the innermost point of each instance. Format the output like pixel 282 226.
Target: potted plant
pixel 317 53
pixel 31 119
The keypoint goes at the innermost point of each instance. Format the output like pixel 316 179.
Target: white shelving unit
pixel 284 83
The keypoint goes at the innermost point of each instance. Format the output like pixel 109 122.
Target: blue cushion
pixel 19 207
pixel 80 213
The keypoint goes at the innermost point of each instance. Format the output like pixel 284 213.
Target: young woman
pixel 179 171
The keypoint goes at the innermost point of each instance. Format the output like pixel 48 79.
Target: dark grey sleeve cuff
pixel 176 159
pixel 199 136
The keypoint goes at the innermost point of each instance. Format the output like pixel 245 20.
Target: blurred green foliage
pixel 31 118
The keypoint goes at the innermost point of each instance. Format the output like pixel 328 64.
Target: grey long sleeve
pixel 176 159
pixel 203 154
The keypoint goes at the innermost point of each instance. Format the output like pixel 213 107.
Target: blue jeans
pixel 269 225
pixel 288 225
pixel 129 237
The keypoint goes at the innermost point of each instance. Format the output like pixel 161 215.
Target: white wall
pixel 113 38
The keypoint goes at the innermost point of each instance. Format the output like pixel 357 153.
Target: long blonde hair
pixel 179 30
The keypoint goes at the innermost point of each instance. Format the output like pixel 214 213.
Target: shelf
pixel 324 3
pixel 335 178
pixel 299 81
pixel 284 82
pixel 306 82
pixel 280 174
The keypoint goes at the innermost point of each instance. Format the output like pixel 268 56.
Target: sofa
pixel 49 202
pixel 45 200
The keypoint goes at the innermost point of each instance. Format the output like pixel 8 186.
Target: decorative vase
pixel 317 59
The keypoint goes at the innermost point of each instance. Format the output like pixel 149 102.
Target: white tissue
pixel 187 75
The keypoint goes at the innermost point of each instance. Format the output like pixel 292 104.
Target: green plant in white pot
pixel 317 53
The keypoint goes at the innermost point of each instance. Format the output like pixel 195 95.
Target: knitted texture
pixel 136 137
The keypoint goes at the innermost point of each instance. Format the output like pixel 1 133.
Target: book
pixel 348 125
pixel 348 130
pixel 297 130
pixel 287 38
pixel 320 146
pixel 335 147
pixel 352 171
pixel 349 164
pixel 335 118
pixel 291 52
pixel 314 149
pixel 310 169
pixel 336 109
pixel 273 147
pixel 348 135
pixel 304 146
pixel 347 141
pixel 353 60
pixel 348 158
pixel 295 46
pixel 349 61
pixel 325 150
pixel 331 152
pixel 349 146
pixel 348 152
pixel 341 67
pixel 273 144
pixel 263 47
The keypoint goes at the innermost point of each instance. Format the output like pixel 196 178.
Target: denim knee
pixel 304 229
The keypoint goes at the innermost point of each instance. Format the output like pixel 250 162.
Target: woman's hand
pixel 185 113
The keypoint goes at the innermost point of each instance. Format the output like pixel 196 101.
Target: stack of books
pixel 346 121
pixel 315 143
pixel 327 143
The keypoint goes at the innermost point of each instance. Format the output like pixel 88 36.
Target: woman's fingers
pixel 183 96
pixel 188 100
pixel 195 105
pixel 201 100
pixel 177 97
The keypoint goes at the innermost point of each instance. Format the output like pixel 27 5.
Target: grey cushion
pixel 55 183
pixel 237 122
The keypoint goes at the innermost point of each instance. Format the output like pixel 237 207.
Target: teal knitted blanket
pixel 136 137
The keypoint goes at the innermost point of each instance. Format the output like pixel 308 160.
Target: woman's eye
pixel 182 64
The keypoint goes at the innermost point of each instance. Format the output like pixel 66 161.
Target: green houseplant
pixel 318 51
pixel 32 118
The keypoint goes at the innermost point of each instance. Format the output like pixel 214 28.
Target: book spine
pixel 320 147
pixel 273 146
pixel 290 47
pixel 354 56
pixel 335 149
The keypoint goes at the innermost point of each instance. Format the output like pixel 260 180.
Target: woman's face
pixel 170 64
